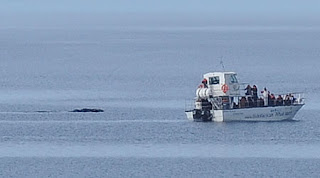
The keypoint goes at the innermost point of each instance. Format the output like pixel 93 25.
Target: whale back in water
pixel 87 110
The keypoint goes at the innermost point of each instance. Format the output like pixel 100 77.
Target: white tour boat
pixel 219 99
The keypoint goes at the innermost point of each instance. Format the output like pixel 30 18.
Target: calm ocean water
pixel 142 77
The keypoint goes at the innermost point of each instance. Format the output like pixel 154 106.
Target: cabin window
pixel 214 80
pixel 234 79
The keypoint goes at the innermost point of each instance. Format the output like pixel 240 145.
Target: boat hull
pixel 278 113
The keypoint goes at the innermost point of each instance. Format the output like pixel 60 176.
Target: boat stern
pixel 189 114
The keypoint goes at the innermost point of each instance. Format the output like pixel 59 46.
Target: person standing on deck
pixel 249 90
pixel 255 94
pixel 265 95
pixel 205 83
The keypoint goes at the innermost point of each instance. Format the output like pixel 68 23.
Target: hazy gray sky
pixel 230 10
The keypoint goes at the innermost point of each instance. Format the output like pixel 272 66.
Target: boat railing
pixel 215 103
pixel 291 97
pixel 298 97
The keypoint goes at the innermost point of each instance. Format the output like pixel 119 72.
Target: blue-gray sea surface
pixel 142 77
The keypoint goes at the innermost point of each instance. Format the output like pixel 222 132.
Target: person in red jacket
pixel 204 84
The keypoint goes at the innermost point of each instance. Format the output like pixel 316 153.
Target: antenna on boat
pixel 221 63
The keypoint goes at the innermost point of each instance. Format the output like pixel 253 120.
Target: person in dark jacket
pixel 279 101
pixel 243 102
pixel 254 95
pixel 250 102
pixel 249 90
pixel 272 100
pixel 287 100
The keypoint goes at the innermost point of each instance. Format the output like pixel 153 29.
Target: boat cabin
pixel 220 89
pixel 223 83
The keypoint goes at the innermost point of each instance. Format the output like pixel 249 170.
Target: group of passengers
pixel 252 100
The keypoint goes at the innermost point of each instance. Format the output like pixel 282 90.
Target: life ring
pixel 225 88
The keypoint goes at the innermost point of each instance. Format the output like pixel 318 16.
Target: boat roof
pixel 219 73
